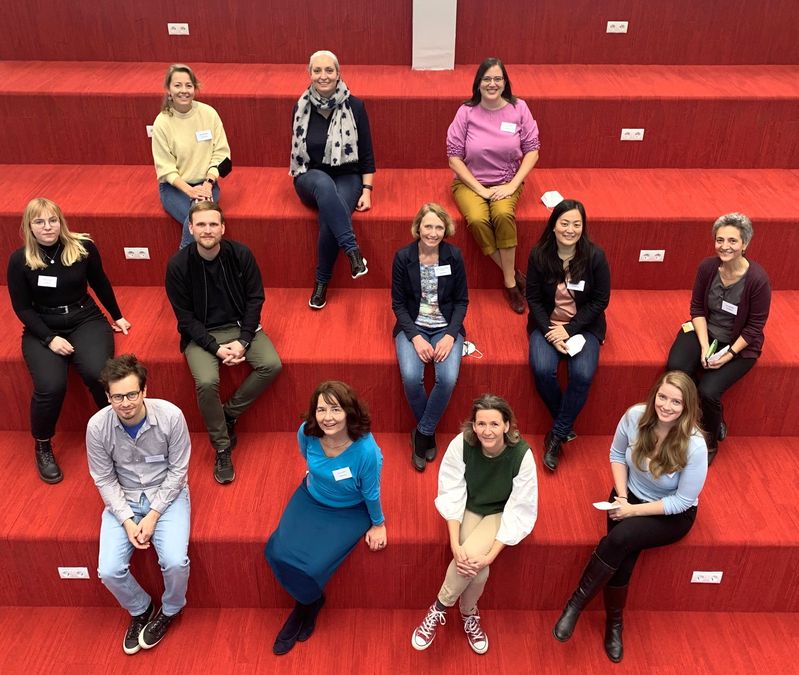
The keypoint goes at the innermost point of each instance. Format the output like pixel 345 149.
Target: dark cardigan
pixel 752 310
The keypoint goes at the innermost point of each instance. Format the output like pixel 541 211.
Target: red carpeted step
pixel 746 527
pixel 378 641
pixel 351 340
pixel 628 210
pixel 71 113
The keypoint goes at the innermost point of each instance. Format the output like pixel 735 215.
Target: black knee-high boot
pixel 595 576
pixel 615 599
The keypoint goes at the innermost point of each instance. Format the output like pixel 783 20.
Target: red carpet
pixel 580 109
pixel 628 210
pixel 641 328
pixel 88 641
pixel 752 539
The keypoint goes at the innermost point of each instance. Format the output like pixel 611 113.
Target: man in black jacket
pixel 216 292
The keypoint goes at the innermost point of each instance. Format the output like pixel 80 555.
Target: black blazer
pixel 406 289
pixel 591 301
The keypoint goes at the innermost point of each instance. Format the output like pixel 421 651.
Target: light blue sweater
pixel 680 490
pixel 347 480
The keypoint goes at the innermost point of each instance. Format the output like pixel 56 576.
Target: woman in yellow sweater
pixel 190 148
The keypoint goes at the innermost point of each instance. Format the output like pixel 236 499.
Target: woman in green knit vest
pixel 488 494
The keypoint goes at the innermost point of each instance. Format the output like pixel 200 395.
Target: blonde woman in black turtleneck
pixel 48 279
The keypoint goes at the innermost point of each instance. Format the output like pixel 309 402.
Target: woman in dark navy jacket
pixel 429 298
pixel 568 289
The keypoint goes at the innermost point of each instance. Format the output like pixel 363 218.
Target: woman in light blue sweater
pixel 659 463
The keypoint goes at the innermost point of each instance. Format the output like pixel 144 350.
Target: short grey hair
pixel 324 52
pixel 739 221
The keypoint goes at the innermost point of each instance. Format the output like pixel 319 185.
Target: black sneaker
pixel 131 645
pixel 230 424
pixel 223 469
pixel 318 296
pixel 552 447
pixel 49 471
pixel 155 631
pixel 357 263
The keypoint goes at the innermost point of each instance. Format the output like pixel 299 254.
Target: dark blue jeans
pixel 544 360
pixel 335 199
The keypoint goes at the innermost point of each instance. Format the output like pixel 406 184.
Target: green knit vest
pixel 489 480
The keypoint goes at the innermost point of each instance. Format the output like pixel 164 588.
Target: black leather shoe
pixel 319 296
pixel 515 299
pixel 521 281
pixel 357 263
pixel 711 455
pixel 309 622
pixel 287 637
pixel 49 471
pixel 552 446
pixel 722 430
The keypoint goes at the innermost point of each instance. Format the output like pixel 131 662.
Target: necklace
pixel 55 254
pixel 330 447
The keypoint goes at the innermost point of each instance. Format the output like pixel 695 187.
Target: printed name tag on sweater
pixel 204 135
pixel 579 286
pixel 507 127
pixel 342 474
pixel 50 282
pixel 726 306
pixel 152 459
pixel 443 270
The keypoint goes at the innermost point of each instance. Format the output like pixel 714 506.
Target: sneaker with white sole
pixel 475 634
pixel 130 644
pixel 425 632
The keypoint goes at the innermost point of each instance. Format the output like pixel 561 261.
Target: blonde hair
pixel 672 455
pixel 438 210
pixel 72 242
pixel 324 52
pixel 166 103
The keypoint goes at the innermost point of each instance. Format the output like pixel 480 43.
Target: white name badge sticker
pixel 204 135
pixel 726 306
pixel 579 286
pixel 152 459
pixel 342 474
pixel 50 282
pixel 443 270
pixel 507 127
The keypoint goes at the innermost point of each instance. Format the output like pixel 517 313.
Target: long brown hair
pixel 672 455
pixel 491 402
pixel 72 242
pixel 333 391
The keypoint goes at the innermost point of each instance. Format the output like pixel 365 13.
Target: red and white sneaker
pixel 475 634
pixel 425 633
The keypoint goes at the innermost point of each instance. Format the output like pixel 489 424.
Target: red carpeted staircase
pixel 716 86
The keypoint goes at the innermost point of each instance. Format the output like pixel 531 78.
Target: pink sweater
pixel 492 142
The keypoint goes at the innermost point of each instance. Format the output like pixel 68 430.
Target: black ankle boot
pixel 49 471
pixel 309 622
pixel 552 446
pixel 357 263
pixel 615 599
pixel 290 631
pixel 319 296
pixel 595 576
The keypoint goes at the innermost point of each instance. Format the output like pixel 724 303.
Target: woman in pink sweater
pixel 492 145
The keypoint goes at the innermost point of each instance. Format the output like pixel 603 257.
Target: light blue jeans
pixel 171 541
pixel 428 410
pixel 177 205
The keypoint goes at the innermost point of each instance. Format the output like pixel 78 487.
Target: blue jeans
pixel 544 360
pixel 177 205
pixel 428 410
pixel 171 541
pixel 336 199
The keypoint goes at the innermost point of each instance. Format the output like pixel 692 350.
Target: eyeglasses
pixel 41 222
pixel 118 398
pixel 496 80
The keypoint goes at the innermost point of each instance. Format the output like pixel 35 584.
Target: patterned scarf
pixel 342 134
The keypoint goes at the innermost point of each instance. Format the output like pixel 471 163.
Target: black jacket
pixel 591 301
pixel 187 289
pixel 406 289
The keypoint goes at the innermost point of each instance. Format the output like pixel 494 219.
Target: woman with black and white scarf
pixel 333 166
